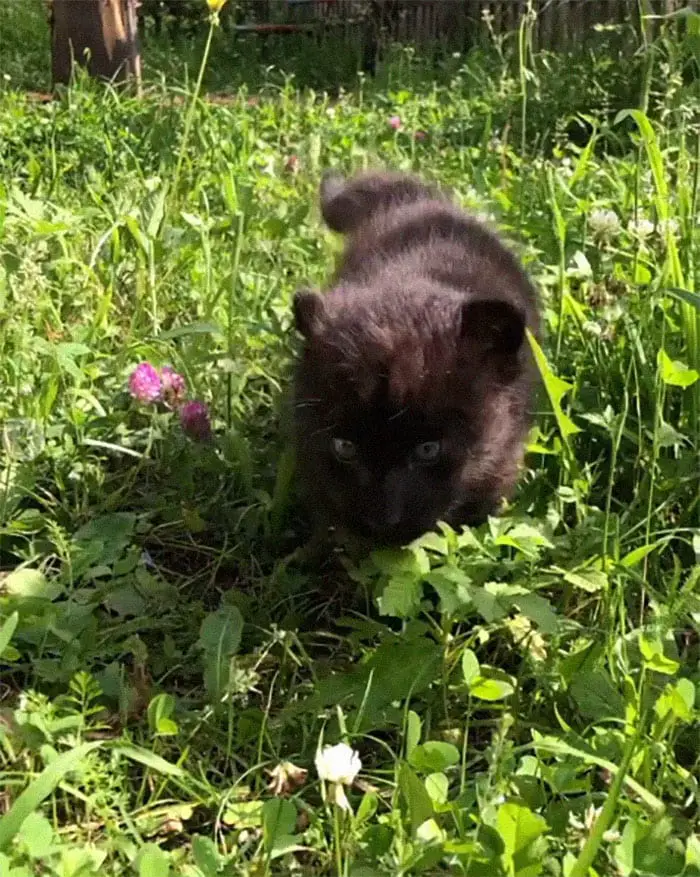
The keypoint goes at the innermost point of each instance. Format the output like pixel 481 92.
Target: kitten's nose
pixel 388 512
pixel 372 525
pixel 394 497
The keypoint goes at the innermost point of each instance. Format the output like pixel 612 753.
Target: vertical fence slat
pixel 456 24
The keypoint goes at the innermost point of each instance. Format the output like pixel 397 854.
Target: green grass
pixel 503 685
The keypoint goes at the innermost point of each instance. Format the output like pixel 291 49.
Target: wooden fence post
pixel 98 34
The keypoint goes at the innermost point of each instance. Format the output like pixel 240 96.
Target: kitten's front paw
pixel 310 554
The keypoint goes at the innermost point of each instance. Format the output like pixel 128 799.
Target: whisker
pixel 399 414
pixel 323 429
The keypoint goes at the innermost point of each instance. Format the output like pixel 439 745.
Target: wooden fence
pixel 555 24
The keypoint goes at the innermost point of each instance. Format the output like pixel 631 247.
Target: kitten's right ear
pixel 307 307
pixel 494 324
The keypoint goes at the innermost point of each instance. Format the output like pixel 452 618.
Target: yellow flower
pixel 215 5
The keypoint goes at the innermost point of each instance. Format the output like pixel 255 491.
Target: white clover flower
pixel 641 228
pixel 604 224
pixel 590 818
pixel 471 195
pixel 485 217
pixel 667 226
pixel 338 765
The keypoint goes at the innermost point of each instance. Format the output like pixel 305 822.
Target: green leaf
pixel 160 710
pixel 539 610
pixel 653 153
pixel 114 531
pixel 153 862
pixel 452 588
pixel 401 596
pixel 367 809
pixel 7 631
pixel 412 561
pixel 650 849
pixel 555 746
pixel 244 814
pixel 397 669
pixel 220 638
pixel 76 862
pixel 491 687
pixel 138 236
pixel 199 328
pixel 20 871
pixel 642 275
pixel 525 538
pixel 220 633
pixel 413 732
pixel 433 756
pixel 692 852
pixel 678 700
pixel 437 786
pixel 279 817
pixel 675 373
pixel 415 797
pixel 30 583
pixel 667 436
pixel 559 221
pixel 488 605
pixel 686 691
pixel 653 653
pixel 285 844
pixel 150 760
pixel 638 554
pixel 556 390
pixel 36 836
pixel 40 788
pixel 521 831
pixel 661 195
pixel 126 601
pixel 685 296
pixel 596 696
pixel 432 541
pixel 587 579
pixel 580 661
pixel 470 666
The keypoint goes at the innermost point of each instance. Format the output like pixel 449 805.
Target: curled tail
pixel 347 204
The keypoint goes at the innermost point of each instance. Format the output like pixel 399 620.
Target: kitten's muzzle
pixel 383 534
pixel 388 515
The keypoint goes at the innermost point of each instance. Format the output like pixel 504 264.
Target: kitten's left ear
pixel 307 307
pixel 495 324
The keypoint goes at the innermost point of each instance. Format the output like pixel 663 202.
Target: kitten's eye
pixel 344 449
pixel 427 452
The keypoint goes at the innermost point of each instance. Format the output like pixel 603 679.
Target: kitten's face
pixel 392 474
pixel 395 431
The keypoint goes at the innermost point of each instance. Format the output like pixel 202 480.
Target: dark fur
pixel 420 339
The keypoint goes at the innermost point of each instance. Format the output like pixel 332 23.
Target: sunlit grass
pixel 165 683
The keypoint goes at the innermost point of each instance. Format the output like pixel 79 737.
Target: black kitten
pixel 413 389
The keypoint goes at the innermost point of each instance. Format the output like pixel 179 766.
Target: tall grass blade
pixel 40 788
